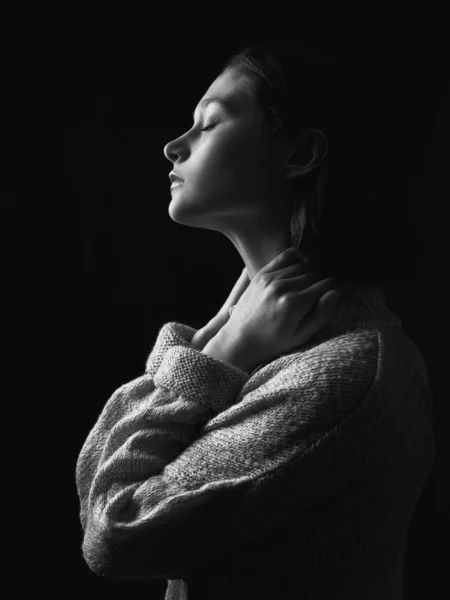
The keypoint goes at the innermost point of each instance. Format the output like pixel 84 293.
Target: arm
pixel 186 469
pixel 224 348
pixel 202 336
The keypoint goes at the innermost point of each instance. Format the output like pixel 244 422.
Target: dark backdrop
pixel 135 269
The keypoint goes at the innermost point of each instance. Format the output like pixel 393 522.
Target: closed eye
pixel 209 127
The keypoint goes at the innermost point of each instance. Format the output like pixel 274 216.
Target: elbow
pixel 112 553
pixel 109 559
pixel 97 556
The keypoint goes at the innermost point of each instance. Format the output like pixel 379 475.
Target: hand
pixel 282 308
pixel 206 333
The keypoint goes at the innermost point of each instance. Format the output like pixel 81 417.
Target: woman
pixel 279 451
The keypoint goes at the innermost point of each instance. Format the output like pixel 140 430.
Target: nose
pixel 171 151
pixel 168 153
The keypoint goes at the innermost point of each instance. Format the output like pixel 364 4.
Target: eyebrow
pixel 207 101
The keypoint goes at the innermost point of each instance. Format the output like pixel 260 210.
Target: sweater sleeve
pixel 170 334
pixel 176 473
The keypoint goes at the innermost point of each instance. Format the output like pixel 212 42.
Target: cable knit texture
pixel 298 480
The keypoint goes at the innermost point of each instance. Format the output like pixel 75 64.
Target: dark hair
pixel 347 214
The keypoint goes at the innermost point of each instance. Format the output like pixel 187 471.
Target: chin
pixel 185 212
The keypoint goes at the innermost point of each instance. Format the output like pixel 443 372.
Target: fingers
pixel 288 276
pixel 281 260
pixel 312 296
pixel 319 316
pixel 239 288
pixel 324 309
pixel 319 288
pixel 244 280
pixel 244 275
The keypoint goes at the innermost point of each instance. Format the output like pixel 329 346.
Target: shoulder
pixel 352 364
pixel 342 370
pixel 350 356
pixel 333 375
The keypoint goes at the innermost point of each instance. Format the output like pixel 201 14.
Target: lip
pixel 174 177
pixel 176 183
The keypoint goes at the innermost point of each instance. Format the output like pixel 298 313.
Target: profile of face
pixel 237 175
pixel 231 168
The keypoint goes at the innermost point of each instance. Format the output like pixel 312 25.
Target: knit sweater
pixel 298 480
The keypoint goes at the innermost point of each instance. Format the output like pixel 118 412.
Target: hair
pixel 347 215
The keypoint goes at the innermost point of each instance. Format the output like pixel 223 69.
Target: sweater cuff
pixel 204 379
pixel 171 334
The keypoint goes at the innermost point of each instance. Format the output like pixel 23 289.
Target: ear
pixel 308 151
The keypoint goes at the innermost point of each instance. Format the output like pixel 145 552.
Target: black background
pixel 134 269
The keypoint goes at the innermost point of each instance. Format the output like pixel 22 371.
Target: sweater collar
pixel 362 306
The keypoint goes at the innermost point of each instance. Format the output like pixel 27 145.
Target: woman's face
pixel 230 170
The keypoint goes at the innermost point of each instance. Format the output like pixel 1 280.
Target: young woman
pixel 279 451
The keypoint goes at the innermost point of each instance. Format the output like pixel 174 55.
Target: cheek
pixel 235 158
